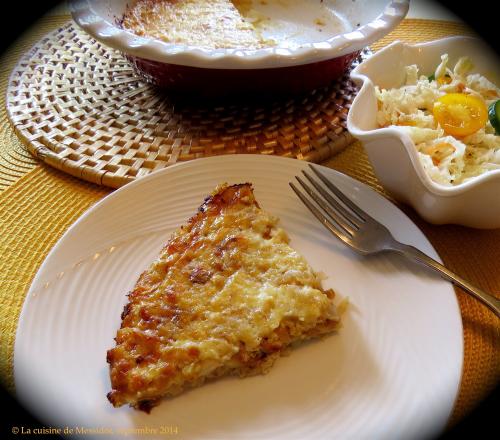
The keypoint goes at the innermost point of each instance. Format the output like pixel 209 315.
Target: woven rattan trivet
pixel 81 108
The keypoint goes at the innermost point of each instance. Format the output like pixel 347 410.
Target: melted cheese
pixel 226 292
pixel 253 290
pixel 203 23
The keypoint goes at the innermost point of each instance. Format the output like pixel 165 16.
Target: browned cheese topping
pixel 227 295
pixel 210 24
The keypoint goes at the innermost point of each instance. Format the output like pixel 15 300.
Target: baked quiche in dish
pixel 226 296
pixel 212 24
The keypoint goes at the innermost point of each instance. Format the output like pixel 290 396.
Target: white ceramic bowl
pixel 475 203
pixel 307 55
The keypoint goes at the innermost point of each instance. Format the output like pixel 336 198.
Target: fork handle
pixel 413 253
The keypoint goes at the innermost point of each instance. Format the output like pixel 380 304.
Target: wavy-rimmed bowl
pixel 313 61
pixel 474 203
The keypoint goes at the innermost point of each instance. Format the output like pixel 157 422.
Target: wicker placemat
pixel 80 107
pixel 39 206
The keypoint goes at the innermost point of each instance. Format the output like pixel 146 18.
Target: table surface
pixel 40 203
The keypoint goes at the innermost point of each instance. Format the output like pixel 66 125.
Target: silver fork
pixel 364 234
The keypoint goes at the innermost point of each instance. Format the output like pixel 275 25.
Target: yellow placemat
pixel 15 160
pixel 37 206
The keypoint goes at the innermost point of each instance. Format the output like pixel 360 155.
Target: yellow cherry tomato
pixel 460 114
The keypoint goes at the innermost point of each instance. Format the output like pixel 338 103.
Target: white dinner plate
pixel 392 371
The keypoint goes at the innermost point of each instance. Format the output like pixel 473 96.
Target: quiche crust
pixel 226 296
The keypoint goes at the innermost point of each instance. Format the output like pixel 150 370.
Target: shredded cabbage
pixel 447 159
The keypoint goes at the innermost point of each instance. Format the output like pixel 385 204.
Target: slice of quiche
pixel 212 24
pixel 226 296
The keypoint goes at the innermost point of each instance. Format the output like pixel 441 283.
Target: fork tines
pixel 343 218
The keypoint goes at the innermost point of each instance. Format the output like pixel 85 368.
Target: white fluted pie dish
pixel 311 50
